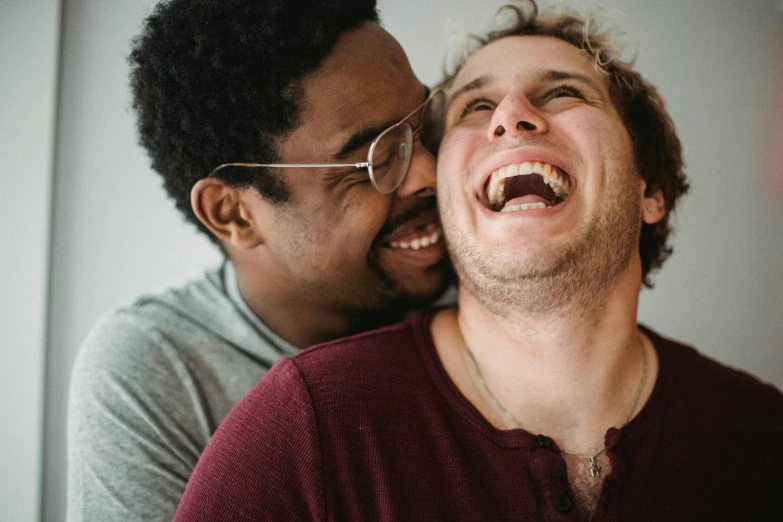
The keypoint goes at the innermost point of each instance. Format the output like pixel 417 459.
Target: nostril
pixel 526 125
pixel 499 131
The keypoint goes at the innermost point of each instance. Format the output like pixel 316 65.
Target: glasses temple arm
pixel 362 165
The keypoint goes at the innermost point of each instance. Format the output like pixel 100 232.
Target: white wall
pixel 115 234
pixel 717 62
pixel 29 43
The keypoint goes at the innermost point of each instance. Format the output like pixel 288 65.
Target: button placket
pixel 551 473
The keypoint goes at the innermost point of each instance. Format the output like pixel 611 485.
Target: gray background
pixel 86 225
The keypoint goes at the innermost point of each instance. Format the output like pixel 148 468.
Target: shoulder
pixel 400 339
pixel 129 346
pixel 150 334
pixel 280 402
pixel 325 395
pixel 149 386
pixel 727 425
pixel 725 398
pixel 132 374
pixel 250 457
pixel 124 392
pixel 298 389
pixel 363 376
pixel 185 353
pixel 368 359
pixel 706 376
pixel 292 392
pixel 142 370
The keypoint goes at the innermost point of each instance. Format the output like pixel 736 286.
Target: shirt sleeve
pixel 264 462
pixel 136 426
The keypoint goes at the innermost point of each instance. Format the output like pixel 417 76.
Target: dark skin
pixel 320 265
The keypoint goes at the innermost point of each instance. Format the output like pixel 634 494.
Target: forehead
pixel 521 59
pixel 365 81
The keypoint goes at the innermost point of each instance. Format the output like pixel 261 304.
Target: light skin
pixel 548 297
pixel 321 265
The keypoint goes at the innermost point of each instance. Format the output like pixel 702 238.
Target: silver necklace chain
pixel 595 469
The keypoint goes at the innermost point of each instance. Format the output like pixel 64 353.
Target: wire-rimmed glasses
pixel 389 157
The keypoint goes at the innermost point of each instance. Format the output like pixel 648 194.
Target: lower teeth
pixel 523 206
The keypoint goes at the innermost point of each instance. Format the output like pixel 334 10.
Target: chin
pixel 424 291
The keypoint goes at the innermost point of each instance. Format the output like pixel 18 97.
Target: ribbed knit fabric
pixel 372 429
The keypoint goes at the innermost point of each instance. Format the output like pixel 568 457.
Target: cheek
pixel 454 159
pixel 332 231
pixel 354 209
pixel 351 232
pixel 614 151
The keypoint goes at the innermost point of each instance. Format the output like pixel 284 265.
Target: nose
pixel 420 179
pixel 515 117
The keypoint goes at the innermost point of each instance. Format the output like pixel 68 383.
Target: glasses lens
pixel 433 122
pixel 390 158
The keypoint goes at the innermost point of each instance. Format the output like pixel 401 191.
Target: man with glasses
pixel 307 168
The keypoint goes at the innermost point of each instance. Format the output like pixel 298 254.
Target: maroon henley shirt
pixel 371 428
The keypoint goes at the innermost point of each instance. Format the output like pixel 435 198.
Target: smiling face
pixel 337 243
pixel 538 189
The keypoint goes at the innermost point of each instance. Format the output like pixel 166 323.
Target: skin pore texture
pixel 322 265
pixel 548 295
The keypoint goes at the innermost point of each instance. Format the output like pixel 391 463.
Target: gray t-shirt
pixel 149 387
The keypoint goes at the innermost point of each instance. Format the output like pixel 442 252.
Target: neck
pixel 298 317
pixel 569 375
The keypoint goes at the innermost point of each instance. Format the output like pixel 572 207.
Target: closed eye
pixel 348 177
pixel 479 104
pixel 564 91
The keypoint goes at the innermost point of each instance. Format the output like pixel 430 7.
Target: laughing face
pixel 338 244
pixel 539 193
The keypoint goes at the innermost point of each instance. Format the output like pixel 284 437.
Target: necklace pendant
pixel 595 469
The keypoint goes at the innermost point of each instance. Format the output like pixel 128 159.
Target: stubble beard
pixel 576 277
pixel 395 297
pixel 398 299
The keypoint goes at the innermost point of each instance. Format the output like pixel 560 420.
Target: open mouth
pixel 526 186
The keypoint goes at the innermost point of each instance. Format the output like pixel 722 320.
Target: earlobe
pixel 220 207
pixel 653 207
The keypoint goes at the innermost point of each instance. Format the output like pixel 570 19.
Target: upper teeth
pixel 551 175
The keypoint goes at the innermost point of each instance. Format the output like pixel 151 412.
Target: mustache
pixel 425 205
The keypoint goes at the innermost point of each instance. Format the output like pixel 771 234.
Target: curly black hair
pixel 217 81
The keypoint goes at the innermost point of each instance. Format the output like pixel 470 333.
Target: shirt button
pixel 544 441
pixel 563 504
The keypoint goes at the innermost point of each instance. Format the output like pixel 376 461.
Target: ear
pixel 222 209
pixel 653 207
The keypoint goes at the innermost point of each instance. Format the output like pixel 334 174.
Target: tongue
pixel 530 198
pixel 528 189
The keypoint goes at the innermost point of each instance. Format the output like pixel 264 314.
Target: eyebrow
pixel 361 138
pixel 553 76
pixel 364 136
